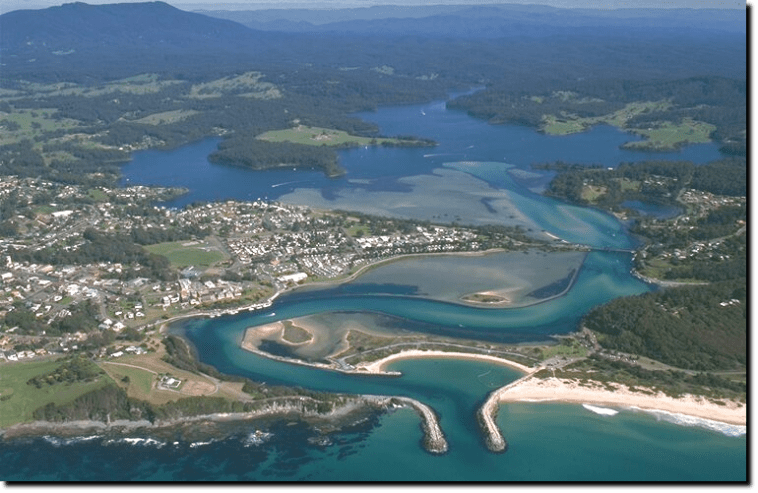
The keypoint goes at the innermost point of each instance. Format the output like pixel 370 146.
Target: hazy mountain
pixel 77 41
pixel 80 42
pixel 79 25
pixel 486 21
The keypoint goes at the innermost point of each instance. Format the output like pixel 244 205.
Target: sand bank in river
pixel 379 366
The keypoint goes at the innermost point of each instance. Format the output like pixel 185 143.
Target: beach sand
pixel 379 366
pixel 562 390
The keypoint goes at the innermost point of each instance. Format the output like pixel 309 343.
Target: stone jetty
pixel 434 439
pixel 486 417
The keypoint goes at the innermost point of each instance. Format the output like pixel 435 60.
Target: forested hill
pixel 79 25
pixel 83 42
pixel 117 40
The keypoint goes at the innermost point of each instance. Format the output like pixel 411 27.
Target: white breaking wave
pixel 137 441
pixel 686 420
pixel 57 441
pixel 200 444
pixel 603 411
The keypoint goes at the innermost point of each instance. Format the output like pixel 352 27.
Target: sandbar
pixel 379 366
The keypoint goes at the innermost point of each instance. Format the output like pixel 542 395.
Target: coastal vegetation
pixel 672 382
pixel 697 327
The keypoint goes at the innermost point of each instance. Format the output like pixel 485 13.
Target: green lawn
pixel 24 399
pixel 183 254
pixel 140 380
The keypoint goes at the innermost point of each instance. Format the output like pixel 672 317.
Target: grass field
pixel 144 369
pixel 574 350
pixel 671 136
pixel 183 253
pixel 140 380
pixel 627 184
pixel 591 193
pixel 317 136
pixel 664 136
pixel 23 124
pixel 247 85
pixel 24 399
pixel 166 117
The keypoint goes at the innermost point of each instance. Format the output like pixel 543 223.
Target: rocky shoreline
pixel 349 412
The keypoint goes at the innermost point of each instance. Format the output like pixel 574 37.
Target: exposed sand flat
pixel 555 389
pixel 456 192
pixel 379 366
pixel 254 335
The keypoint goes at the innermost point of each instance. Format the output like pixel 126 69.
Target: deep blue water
pixel 547 442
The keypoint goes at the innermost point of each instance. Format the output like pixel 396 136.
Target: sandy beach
pixel 555 389
pixel 379 366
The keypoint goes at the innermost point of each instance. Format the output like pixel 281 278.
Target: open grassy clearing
pixel 184 253
pixel 97 194
pixel 140 381
pixel 657 268
pixel 247 85
pixel 166 117
pixel 151 366
pixel 22 124
pixel 571 350
pixel 627 184
pixel 671 136
pixel 568 123
pixel 591 193
pixel 318 136
pixel 139 84
pixel 23 399
pixel 664 136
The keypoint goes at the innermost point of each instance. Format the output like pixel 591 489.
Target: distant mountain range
pixel 79 42
pixel 484 21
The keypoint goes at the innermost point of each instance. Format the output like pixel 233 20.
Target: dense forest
pixel 686 327
pixel 655 182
